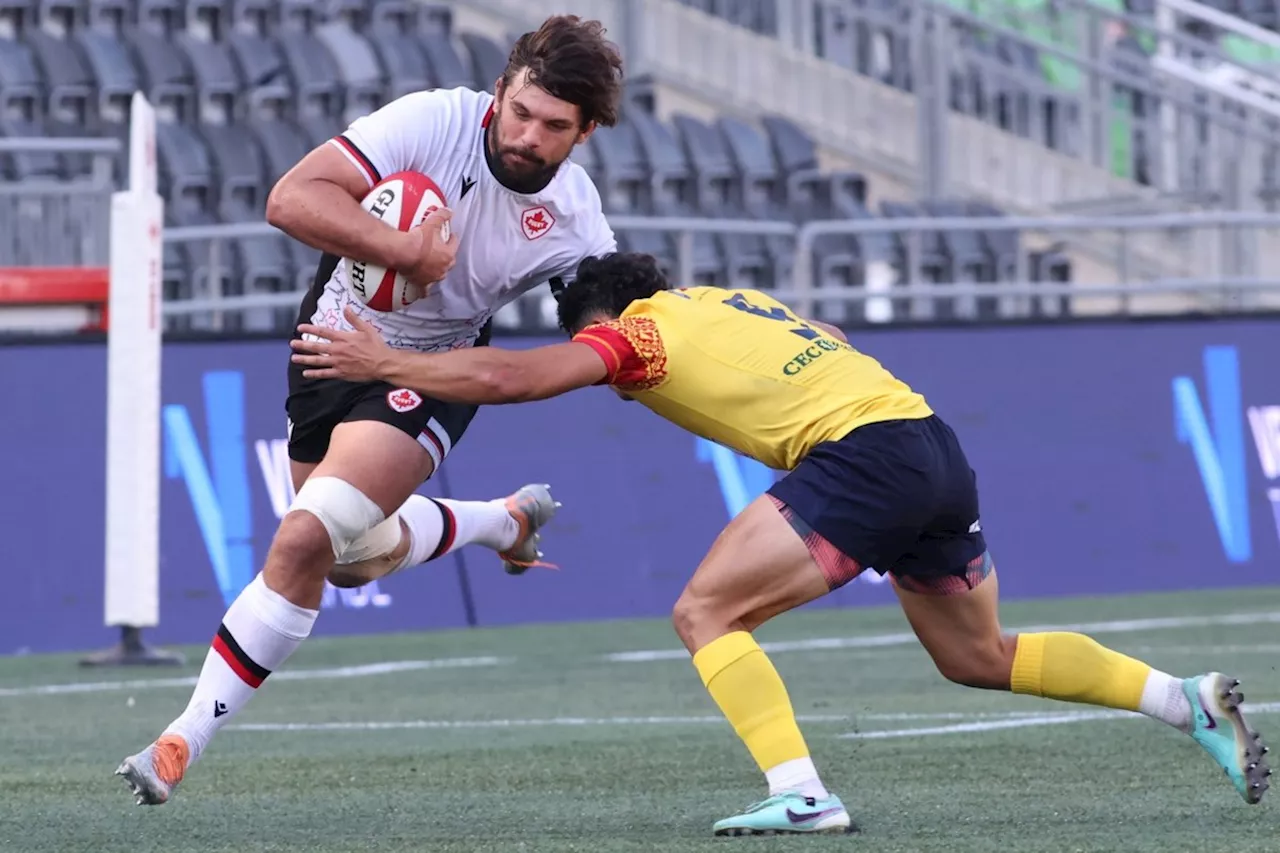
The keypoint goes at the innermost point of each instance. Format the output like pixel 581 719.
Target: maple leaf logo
pixel 403 400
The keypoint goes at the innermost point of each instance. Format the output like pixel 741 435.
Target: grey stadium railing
pixel 1221 283
pixel 58 222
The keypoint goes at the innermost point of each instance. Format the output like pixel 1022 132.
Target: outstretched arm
pixel 483 375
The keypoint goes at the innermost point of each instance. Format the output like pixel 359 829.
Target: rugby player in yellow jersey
pixel 876 479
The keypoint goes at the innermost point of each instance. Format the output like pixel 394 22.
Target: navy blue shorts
pixel 898 497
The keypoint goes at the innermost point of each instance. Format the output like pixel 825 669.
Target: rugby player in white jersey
pixel 520 215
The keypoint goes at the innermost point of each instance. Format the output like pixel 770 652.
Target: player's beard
pixel 531 173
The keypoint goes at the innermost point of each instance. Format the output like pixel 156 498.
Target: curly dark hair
pixel 571 59
pixel 605 286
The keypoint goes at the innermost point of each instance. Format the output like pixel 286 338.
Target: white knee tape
pixel 345 511
pixel 381 540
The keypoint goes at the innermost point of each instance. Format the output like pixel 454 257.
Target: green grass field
pixel 533 739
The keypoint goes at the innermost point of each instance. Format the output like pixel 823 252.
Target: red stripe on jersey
pixel 365 164
pixel 488 115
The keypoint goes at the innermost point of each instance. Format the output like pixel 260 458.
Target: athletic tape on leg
pixel 379 541
pixel 345 511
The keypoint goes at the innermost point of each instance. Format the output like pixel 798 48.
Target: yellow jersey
pixel 739 368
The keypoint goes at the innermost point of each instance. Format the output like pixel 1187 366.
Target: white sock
pixel 1163 699
pixel 259 631
pixel 438 526
pixel 798 775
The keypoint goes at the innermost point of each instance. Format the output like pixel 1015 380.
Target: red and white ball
pixel 403 201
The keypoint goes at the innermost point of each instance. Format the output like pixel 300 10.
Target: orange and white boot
pixel 156 771
pixel 532 507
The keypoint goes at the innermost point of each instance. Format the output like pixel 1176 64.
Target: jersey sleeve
pixel 403 135
pixel 632 350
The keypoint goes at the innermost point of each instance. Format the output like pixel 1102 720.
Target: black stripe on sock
pixel 247 662
pixel 447 531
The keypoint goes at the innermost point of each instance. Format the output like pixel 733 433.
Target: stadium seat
pixel 61 17
pixel 16 17
pixel 215 76
pixel 21 83
pixel 719 195
pixel 111 16
pixel 318 129
pixel 930 257
pixel 313 73
pixel 405 63
pixel 165 72
pixel 185 170
pixel 69 86
pixel 116 77
pixel 353 13
pixel 671 175
pixel 254 17
pixel 282 144
pixel 261 265
pixel 363 84
pixel 206 20
pixel 408 17
pixel 1003 246
pixel 164 16
pixel 488 60
pixel 623 172
pixel 199 266
pixel 967 258
pixel 761 187
pixel 268 92
pixel 238 168
pixel 797 157
pixel 447 68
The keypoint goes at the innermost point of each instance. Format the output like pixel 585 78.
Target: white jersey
pixel 508 242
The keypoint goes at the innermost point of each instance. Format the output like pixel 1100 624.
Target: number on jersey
pixel 805 331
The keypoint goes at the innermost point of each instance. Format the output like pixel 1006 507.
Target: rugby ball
pixel 402 201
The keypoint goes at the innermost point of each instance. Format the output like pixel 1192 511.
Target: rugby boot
pixel 532 507
pixel 1218 725
pixel 788 814
pixel 154 773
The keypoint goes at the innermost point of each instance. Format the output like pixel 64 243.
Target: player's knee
pixel 345 513
pixel 300 544
pixel 985 664
pixel 694 616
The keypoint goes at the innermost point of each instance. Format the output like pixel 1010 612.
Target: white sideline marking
pixel 1122 626
pixel 1213 650
pixel 338 672
pixel 396 725
pixel 1025 722
pixel 978 721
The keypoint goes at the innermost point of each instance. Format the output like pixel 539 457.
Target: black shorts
pixel 898 497
pixel 316 406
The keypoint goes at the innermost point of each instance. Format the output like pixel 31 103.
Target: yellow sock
pixel 1075 668
pixel 751 695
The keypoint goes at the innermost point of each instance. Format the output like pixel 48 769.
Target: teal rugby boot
pixel 1218 725
pixel 786 814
